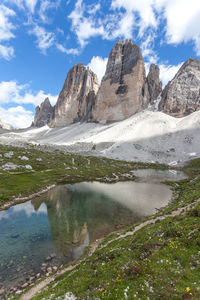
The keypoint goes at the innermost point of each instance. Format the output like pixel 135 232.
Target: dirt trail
pixel 40 286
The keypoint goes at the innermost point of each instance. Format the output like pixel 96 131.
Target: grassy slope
pixel 54 167
pixel 161 261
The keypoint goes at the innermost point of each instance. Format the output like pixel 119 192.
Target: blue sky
pixel 41 40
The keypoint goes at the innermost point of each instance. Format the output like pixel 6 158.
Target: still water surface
pixel 55 228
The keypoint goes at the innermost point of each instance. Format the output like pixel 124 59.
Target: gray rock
pixel 8 154
pixel 24 285
pixel 181 96
pixel 28 167
pixel 121 93
pixel 2 291
pixel 23 157
pixel 43 113
pixel 154 85
pixel 77 97
pixel 10 166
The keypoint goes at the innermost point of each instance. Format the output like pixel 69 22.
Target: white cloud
pixel 31 5
pixel 11 91
pixel 124 27
pixel 6 32
pixel 67 51
pixel 18 117
pixel 45 39
pixel 45 6
pixel 98 66
pixel 143 8
pixel 128 18
pixel 6 26
pixel 167 72
pixel 85 27
pixel 6 52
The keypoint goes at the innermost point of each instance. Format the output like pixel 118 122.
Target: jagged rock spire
pixel 121 91
pixel 77 96
pixel 43 113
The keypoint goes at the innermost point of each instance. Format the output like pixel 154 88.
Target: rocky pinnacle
pixel 43 113
pixel 77 97
pixel 121 93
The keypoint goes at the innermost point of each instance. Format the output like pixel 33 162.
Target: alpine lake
pixel 39 236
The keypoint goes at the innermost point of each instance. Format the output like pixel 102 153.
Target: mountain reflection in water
pixel 62 222
pixel 78 213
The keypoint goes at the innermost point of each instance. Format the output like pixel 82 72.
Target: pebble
pixel 38 275
pixel 49 270
pixel 31 278
pixel 2 291
pixel 53 255
pixel 24 285
pixel 48 258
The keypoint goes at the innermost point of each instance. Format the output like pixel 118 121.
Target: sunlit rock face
pixel 122 90
pixel 181 95
pixel 43 113
pixel 77 97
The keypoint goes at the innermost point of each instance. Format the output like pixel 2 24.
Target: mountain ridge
pixel 124 90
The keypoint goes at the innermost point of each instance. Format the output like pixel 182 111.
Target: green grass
pixel 56 168
pixel 161 261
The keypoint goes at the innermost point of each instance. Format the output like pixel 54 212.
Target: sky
pixel 40 40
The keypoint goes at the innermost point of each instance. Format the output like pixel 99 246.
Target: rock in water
pixel 122 90
pixel 181 95
pixel 77 97
pixel 43 113
pixel 154 84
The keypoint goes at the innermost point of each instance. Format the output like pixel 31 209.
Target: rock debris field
pixel 147 136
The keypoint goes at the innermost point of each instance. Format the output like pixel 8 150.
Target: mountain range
pixel 124 91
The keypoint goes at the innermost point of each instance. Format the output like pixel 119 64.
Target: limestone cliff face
pixel 122 91
pixel 43 113
pixel 154 85
pixel 76 98
pixel 181 95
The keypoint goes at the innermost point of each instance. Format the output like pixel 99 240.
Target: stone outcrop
pixel 154 85
pixel 43 113
pixel 122 92
pixel 77 97
pixel 181 95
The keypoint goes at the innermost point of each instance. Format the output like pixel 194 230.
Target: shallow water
pixel 55 228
